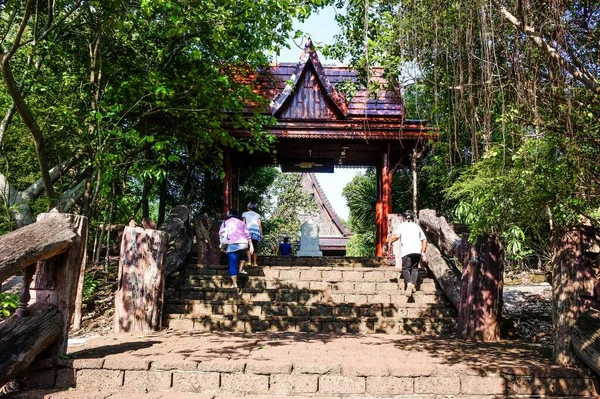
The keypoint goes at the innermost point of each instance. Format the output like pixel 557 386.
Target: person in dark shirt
pixel 285 248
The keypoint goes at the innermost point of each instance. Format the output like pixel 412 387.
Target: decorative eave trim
pixel 310 55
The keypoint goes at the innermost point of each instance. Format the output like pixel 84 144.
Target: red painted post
pixel 380 221
pixel 386 192
pixel 379 214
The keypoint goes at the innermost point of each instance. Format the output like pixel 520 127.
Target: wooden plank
pixel 32 243
pixel 24 338
pixel 139 296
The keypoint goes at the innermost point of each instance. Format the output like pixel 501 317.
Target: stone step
pixel 194 282
pixel 263 365
pixel 196 308
pixel 324 274
pixel 304 297
pixel 317 324
pixel 295 261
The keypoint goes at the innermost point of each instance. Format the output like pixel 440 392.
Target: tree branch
pixel 70 197
pixel 588 81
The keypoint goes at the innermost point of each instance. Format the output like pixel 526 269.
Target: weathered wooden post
pixel 56 242
pixel 59 280
pixel 482 284
pixel 568 282
pixel 207 240
pixel 478 294
pixel 139 297
pixel 180 236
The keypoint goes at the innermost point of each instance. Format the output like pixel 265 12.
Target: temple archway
pixel 319 129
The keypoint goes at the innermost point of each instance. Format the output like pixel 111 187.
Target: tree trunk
pixel 145 202
pixel 162 202
pixel 24 338
pixel 585 339
pixel 59 280
pixel 480 306
pixel 139 297
pixel 207 240
pixel 180 234
pixel 415 179
pixel 31 124
pixel 567 283
pixel 440 233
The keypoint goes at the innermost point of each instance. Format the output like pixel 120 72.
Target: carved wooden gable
pixel 308 93
pixel 308 100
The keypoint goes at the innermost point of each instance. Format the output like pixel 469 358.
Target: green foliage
pixel 152 104
pixel 8 303
pixel 518 145
pixel 361 198
pixel 290 202
pixel 89 287
pixel 361 244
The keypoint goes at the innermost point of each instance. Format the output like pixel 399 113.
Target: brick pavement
pixel 218 365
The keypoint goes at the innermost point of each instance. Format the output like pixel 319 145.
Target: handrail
pixel 32 243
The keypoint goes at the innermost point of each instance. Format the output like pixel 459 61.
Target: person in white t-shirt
pixel 413 244
pixel 254 224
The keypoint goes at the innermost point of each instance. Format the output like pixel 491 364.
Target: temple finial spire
pixel 309 44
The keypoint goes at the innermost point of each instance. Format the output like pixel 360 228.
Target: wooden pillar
pixel 384 201
pixel 379 217
pixel 227 181
pixel 386 191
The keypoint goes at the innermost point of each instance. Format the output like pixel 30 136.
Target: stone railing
pixel 52 251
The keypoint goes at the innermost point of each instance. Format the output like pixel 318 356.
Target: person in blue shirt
pixel 285 248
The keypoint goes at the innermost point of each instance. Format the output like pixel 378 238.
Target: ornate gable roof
pixel 309 84
pixel 328 220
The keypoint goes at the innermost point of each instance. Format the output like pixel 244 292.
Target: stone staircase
pixel 296 331
pixel 322 295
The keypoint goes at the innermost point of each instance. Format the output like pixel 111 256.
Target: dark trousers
pixel 410 268
pixel 234 260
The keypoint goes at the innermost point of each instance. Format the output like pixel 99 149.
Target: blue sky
pixel 321 28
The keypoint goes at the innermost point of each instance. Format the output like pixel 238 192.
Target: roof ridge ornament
pixel 309 44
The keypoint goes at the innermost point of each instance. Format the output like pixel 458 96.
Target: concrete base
pixel 309 253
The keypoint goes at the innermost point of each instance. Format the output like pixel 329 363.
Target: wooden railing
pixel 53 251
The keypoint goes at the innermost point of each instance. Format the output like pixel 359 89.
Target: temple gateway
pixel 320 128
